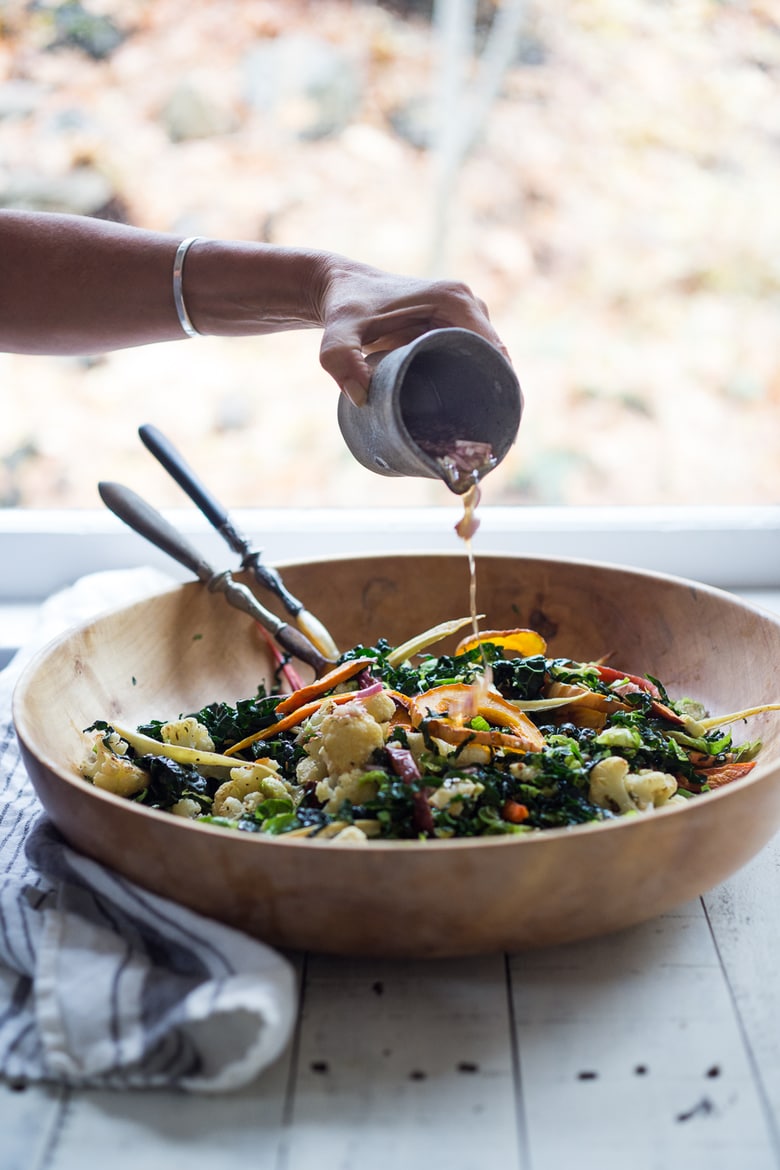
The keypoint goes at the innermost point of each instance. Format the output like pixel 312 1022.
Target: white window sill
pixel 41 551
pixel 733 548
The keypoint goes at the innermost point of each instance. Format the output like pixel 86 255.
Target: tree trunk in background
pixel 461 107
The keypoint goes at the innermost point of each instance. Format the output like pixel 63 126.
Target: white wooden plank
pixel 631 1054
pixel 743 914
pixel 404 1065
pixel 28 1118
pixel 162 1130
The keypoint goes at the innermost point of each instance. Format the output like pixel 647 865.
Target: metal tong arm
pixel 179 470
pixel 149 523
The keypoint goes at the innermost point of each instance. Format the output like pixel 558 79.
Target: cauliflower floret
pixel 380 706
pixel 267 786
pixel 608 784
pixel 649 789
pixel 525 773
pixel 351 835
pixel 310 769
pixel 350 736
pixel 450 794
pixel 339 754
pixel 187 733
pixel 323 791
pixel 351 786
pixel 230 807
pixel 186 807
pixel 107 768
pixel 614 787
pixel 230 799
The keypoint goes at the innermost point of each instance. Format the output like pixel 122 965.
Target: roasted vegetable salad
pixel 399 743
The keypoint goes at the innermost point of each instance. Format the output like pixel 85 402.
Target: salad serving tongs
pixel 177 467
pixel 149 523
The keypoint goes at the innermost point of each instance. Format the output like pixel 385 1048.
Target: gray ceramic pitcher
pixel 448 387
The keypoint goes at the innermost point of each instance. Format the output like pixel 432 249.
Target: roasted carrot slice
pixel 287 668
pixel 452 733
pixel 462 703
pixel 735 716
pixel 727 773
pixel 584 697
pixel 339 674
pixel 717 776
pixel 458 700
pixel 661 711
pixel 594 701
pixel 427 638
pixel 496 709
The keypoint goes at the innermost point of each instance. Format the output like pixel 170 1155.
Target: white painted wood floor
pixel 654 1049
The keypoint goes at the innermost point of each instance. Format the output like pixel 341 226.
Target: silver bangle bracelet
pixel 178 294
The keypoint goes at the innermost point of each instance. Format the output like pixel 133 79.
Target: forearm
pixel 234 289
pixel 76 285
pixel 71 285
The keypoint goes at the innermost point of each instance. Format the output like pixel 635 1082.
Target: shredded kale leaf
pixel 225 724
pixel 170 782
pixel 430 672
pixel 520 678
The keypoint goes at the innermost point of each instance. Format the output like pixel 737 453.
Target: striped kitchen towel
pixel 102 983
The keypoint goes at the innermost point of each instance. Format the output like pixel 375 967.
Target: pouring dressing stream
pixel 446 406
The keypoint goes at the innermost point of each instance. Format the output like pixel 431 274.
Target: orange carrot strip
pixel 339 674
pixel 514 812
pixel 661 711
pixel 400 699
pixel 716 776
pixel 727 773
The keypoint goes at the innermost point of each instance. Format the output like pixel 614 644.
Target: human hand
pixel 365 311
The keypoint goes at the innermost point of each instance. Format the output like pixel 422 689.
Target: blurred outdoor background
pixel 606 176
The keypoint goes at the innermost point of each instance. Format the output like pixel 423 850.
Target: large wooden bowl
pixel 177 651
